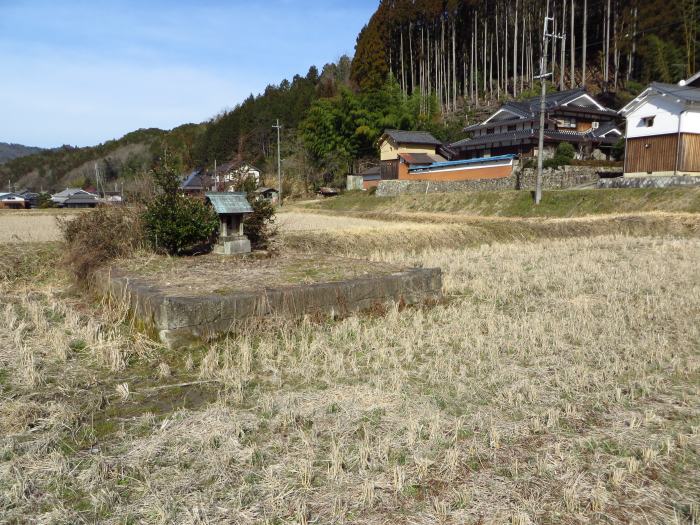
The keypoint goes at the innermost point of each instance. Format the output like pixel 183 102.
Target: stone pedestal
pixel 232 245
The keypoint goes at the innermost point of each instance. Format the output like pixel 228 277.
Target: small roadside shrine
pixel 232 207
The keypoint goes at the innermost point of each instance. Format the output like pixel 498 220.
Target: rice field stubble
pixel 558 384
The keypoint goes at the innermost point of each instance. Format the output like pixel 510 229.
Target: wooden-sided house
pixel 571 116
pixel 663 130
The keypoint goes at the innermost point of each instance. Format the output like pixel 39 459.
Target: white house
pixel 229 173
pixel 11 200
pixel 663 130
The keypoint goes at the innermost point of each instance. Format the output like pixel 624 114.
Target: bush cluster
pixel 564 155
pixel 95 238
pixel 175 223
pixel 259 226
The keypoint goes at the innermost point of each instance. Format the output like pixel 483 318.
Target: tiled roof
pixel 229 202
pixel 420 158
pixel 411 137
pixel 687 93
pixel 532 135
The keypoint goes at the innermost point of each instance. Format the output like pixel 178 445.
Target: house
pixel 269 194
pixel 31 199
pixel 229 173
pixel 232 207
pixel 663 130
pixel 571 116
pixel 74 198
pixel 12 200
pixel 197 182
pixel 393 144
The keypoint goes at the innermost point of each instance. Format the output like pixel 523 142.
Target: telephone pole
pixel 279 163
pixel 543 101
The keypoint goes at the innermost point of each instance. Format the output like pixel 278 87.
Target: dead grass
pixel 559 384
pixel 18 226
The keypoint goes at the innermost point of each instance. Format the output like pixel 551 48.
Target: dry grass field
pixel 30 225
pixel 557 383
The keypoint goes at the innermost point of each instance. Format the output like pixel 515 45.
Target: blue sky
pixel 82 72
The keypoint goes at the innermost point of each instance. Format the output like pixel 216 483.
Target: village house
pixel 663 130
pixel 397 147
pixel 196 183
pixel 418 156
pixel 74 198
pixel 229 173
pixel 571 116
pixel 12 201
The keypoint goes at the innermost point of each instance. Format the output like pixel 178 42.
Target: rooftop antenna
pixel 279 163
pixel 543 105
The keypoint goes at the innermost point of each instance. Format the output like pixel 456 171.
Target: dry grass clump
pixel 559 383
pixel 106 233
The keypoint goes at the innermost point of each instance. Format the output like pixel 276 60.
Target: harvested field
pixel 558 384
pixel 30 225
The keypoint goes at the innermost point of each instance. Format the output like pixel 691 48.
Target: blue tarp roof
pixel 450 163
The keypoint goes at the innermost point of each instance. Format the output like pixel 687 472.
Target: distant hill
pixel 14 151
pixel 122 160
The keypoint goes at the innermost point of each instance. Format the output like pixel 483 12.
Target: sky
pixel 82 72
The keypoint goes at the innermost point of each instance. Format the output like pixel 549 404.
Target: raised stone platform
pixel 221 295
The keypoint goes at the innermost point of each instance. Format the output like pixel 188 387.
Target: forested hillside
pixel 489 50
pixel 419 64
pixel 15 151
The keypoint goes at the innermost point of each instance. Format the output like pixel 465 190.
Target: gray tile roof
pixel 411 137
pixel 687 93
pixel 229 202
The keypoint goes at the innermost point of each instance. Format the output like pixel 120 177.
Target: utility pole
pixel 543 102
pixel 279 163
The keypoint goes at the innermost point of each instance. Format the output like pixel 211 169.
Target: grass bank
pixel 561 203
pixel 422 231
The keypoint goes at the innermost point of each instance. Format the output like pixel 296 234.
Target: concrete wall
pixel 521 179
pixel 354 182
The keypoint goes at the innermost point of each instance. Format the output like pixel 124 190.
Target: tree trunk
pixel 606 73
pixel 585 45
pixel 562 66
pixel 515 51
pixel 573 47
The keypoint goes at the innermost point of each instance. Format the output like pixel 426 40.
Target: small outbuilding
pixel 269 194
pixel 232 207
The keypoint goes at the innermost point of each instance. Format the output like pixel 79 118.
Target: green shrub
pixel 175 223
pixel 564 155
pixel 96 237
pixel 259 226
pixel 618 150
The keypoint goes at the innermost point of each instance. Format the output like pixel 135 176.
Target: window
pixel 648 122
pixel 566 122
pixel 512 127
pixel 490 131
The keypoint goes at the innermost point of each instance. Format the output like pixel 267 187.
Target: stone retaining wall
pixel 521 179
pixel 649 182
pixel 182 320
